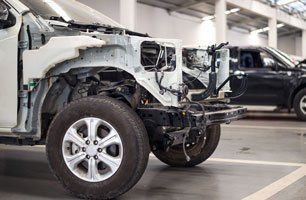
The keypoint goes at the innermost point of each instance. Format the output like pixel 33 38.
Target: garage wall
pixel 242 38
pixel 298 46
pixel 158 23
pixel 290 44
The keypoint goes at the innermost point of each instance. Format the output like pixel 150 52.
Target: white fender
pixel 37 62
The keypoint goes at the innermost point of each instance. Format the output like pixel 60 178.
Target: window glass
pixel 268 60
pixel 7 19
pixel 250 59
pixel 282 56
pixel 69 11
pixel 3 11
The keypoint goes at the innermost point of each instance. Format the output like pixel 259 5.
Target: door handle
pixel 239 73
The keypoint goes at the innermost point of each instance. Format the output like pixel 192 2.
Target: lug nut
pixel 87 142
pixel 95 142
pixel 83 149
pixel 88 157
pixel 96 157
pixel 99 150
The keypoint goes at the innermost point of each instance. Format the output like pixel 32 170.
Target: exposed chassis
pixel 214 114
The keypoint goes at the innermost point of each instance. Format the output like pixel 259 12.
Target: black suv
pixel 273 78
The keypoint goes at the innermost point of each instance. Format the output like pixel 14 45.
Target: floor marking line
pixel 278 185
pixel 256 162
pixel 266 127
pixel 253 162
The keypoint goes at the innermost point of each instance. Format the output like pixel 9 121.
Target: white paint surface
pixel 37 62
pixel 8 74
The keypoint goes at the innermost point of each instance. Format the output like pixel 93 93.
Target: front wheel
pixel 299 104
pixel 97 147
pixel 198 153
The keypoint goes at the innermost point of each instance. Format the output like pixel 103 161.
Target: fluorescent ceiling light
pixel 231 11
pixel 207 18
pixel 234 10
pixel 266 29
pixel 284 2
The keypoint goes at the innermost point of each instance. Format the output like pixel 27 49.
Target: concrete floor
pixel 258 158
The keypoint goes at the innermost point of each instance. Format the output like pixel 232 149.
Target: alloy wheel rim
pixel 92 149
pixel 303 105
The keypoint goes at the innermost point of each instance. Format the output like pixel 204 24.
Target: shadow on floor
pixel 27 173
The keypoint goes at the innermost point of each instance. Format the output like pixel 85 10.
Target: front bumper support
pixel 173 117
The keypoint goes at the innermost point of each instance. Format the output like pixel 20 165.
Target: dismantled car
pixel 101 97
pixel 273 78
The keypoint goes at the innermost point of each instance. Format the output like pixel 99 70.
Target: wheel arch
pixel 59 94
pixel 294 93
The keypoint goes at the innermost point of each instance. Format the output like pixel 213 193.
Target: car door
pixel 264 82
pixel 9 31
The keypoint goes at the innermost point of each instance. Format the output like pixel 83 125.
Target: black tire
pixel 134 140
pixel 301 114
pixel 198 153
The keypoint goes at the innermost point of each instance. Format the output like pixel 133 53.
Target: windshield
pixel 283 56
pixel 69 11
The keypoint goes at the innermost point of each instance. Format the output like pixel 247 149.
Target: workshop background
pixel 262 156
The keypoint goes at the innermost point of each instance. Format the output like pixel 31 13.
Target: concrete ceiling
pixel 244 20
pixel 292 7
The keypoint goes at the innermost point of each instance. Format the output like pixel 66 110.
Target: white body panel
pixel 8 74
pixel 171 78
pixel 222 69
pixel 58 49
pixel 18 6
pixel 38 62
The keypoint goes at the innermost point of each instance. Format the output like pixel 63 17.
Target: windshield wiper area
pixel 57 18
pixel 95 26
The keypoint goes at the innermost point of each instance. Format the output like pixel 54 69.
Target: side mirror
pixel 4 12
pixel 303 61
pixel 269 63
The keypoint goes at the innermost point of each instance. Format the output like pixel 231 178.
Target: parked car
pixel 273 78
pixel 101 97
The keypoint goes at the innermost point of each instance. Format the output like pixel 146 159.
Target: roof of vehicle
pixel 246 47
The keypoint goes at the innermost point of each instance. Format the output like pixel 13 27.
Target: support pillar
pixel 128 13
pixel 221 24
pixel 273 32
pixel 304 44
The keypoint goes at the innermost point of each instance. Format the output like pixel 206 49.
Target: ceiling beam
pixel 285 2
pixel 247 21
pixel 266 11
pixel 185 5
pixel 232 25
pixel 289 33
pixel 154 3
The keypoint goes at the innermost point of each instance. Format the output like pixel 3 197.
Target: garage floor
pixel 258 158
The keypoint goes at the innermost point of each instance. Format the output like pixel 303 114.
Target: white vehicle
pixel 101 97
